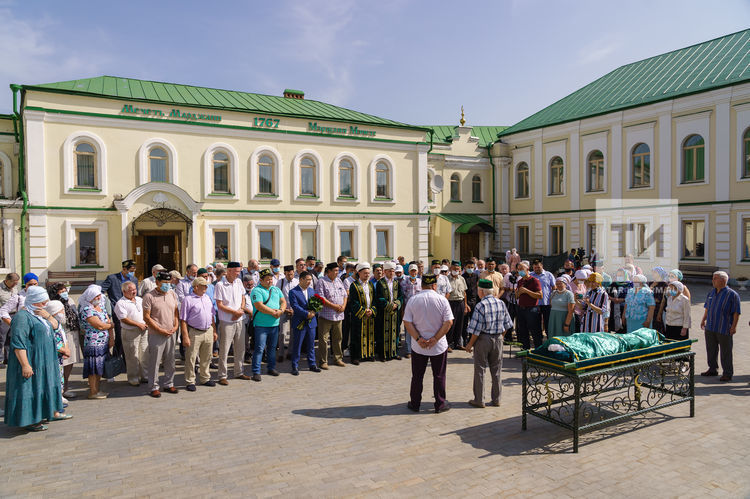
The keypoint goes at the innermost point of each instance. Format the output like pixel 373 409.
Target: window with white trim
pixel 693 159
pixel 557 239
pixel 522 239
pixel 745 256
pixel 522 180
pixel 220 164
pixel 455 186
pixel 85 166
pixel 308 239
pixel 158 164
pixel 346 178
pixel 595 172
pixel 556 176
pixel 693 240
pixel 476 189
pixel 266 243
pixel 346 243
pixel 382 181
pixel 640 161
pixel 266 174
pixel 221 245
pixel 87 247
pixel 307 172
pixel 382 243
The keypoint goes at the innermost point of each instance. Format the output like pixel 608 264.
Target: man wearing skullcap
pixel 427 319
pixel 459 306
pixel 348 277
pixel 488 323
pixel 472 279
pixel 268 306
pixel 333 292
pixel 389 300
pixel 411 285
pixel 230 300
pixel 363 312
pixel 112 287
pixel 286 284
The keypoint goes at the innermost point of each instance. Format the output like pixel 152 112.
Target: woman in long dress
pixel 97 339
pixel 59 291
pixel 639 305
pixel 33 390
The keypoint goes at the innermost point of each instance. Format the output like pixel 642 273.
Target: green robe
pixel 389 307
pixel 362 327
pixel 29 401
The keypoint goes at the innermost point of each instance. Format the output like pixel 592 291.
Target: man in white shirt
pixel 149 283
pixel 230 300
pixel 129 309
pixel 427 319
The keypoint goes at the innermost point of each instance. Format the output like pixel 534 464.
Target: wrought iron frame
pixel 580 401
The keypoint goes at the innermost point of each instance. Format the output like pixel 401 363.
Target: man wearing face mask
pixel 459 307
pixel 472 281
pixel 276 270
pixel 161 314
pixel 528 292
pixel 112 286
pixel 569 269
pixel 185 285
pixel 253 267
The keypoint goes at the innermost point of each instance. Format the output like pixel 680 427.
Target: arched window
pixel 307 177
pixel 693 162
pixel 430 192
pixel 85 156
pixel 382 187
pixel 556 175
pixel 346 179
pixel 157 162
pixel 266 166
pixel 476 189
pixel 595 171
pixel 455 187
pixel 746 154
pixel 522 180
pixel 221 172
pixel 640 166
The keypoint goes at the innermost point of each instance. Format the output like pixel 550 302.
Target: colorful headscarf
pixel 676 273
pixel 662 273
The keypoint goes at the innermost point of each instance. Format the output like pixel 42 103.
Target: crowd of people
pixel 355 311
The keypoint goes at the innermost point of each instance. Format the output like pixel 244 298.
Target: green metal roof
pixel 467 222
pixel 443 134
pixel 187 95
pixel 698 68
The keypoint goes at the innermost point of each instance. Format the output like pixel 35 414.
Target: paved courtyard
pixel 347 432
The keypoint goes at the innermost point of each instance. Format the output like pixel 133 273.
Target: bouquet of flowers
pixel 314 304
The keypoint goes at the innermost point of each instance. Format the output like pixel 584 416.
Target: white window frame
pixel 740 216
pixel 687 217
pixel 697 124
pixel 356 247
pixel 277 174
pixel 521 155
pixel 391 228
pixel 552 149
pixel 481 188
pixel 69 163
pixel 373 186
pixel 633 136
pixel 601 237
pixel 549 178
pixel 7 172
pixel 548 234
pixel 10 246
pixel 591 143
pixel 278 243
pixel 298 228
pixel 102 227
pixel 460 188
pixel 296 184
pixel 233 175
pixel 234 238
pixel 355 178
pixel 630 238
pixel 515 180
pixel 144 166
pixel 742 124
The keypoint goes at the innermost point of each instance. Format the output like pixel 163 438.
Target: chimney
pixel 294 94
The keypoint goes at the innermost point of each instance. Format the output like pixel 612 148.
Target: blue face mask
pixel 165 287
pixel 350 274
pixel 64 295
pixel 672 292
pixel 522 273
pixel 131 274
pixel 275 270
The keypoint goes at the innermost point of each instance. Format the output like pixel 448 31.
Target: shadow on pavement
pixel 739 386
pixel 356 411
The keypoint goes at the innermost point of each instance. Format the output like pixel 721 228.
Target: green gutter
pixel 18 127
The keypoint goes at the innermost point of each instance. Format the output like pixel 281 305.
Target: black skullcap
pixel 128 263
pixel 332 265
pixel 163 275
pixel 429 279
pixel 287 268
pixel 234 265
pixel 435 262
pixel 265 273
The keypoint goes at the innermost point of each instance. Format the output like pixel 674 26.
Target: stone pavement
pixel 347 432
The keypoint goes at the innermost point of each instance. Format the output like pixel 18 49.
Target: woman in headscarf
pixel 659 289
pixel 596 305
pixel 97 339
pixel 579 292
pixel 639 305
pixel 562 302
pixel 676 275
pixel 617 292
pixel 677 313
pixel 55 309
pixel 59 291
pixel 33 392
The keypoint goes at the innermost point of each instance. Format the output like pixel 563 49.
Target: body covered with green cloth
pixel 582 346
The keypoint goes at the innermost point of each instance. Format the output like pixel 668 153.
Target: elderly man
pixel 427 319
pixel 528 294
pixel 129 310
pixel 253 267
pixel 286 284
pixel 161 314
pixel 304 323
pixel 230 300
pixel 481 267
pixel 719 323
pixel 389 300
pixel 8 291
pixel 112 287
pixel 149 283
pixel 333 292
pixel 488 323
pixel 17 301
pixel 363 312
pixel 198 333
pixel 459 305
pixel 185 286
pixel 268 306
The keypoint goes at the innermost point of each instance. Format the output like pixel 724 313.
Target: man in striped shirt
pixel 720 317
pixel 486 327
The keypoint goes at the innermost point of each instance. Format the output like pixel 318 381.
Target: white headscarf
pixel 91 292
pixel 35 294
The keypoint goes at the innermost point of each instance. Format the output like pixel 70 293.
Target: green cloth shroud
pixel 582 346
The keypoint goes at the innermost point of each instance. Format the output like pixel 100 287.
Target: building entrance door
pixel 162 247
pixel 469 246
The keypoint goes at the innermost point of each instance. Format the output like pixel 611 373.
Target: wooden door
pixel 469 246
pixel 161 249
pixel 139 255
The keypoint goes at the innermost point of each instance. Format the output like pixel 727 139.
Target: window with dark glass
pixel 307 177
pixel 595 172
pixel 85 166
pixel 382 187
pixel 346 178
pixel 522 180
pixel 641 166
pixel 556 176
pixel 266 165
pixel 221 172
pixel 455 187
pixel 476 189
pixel 693 161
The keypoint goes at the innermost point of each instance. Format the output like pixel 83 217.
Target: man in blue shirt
pixel 720 317
pixel 112 286
pixel 547 280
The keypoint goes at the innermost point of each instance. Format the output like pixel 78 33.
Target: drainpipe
pixel 494 191
pixel 18 129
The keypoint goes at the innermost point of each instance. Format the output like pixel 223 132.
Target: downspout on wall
pixel 18 129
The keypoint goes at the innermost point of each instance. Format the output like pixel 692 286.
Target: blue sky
pixel 412 61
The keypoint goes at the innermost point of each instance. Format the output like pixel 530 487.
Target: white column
pixel 575 169
pixel 537 174
pixel 423 238
pixel 502 237
pixel 124 228
pixel 421 199
pixel 722 169
pixel 35 148
pixel 664 165
pixel 721 229
pixel 195 253
pixel 616 183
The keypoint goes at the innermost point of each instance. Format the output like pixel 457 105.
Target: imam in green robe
pixel 389 302
pixel 362 327
pixel 30 400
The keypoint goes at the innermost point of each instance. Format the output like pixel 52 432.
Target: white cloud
pixel 596 52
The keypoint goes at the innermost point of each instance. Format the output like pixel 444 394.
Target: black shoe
pixel 295 372
pixel 190 387
pixel 397 357
pixel 256 377
pixel 446 407
pixel 411 407
pixel 210 382
pixel 709 373
pixel 273 372
pixel 355 362
pixel 315 369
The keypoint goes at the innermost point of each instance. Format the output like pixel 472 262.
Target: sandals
pixel 37 427
pixel 61 417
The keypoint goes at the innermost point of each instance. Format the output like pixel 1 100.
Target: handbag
pixel 113 365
